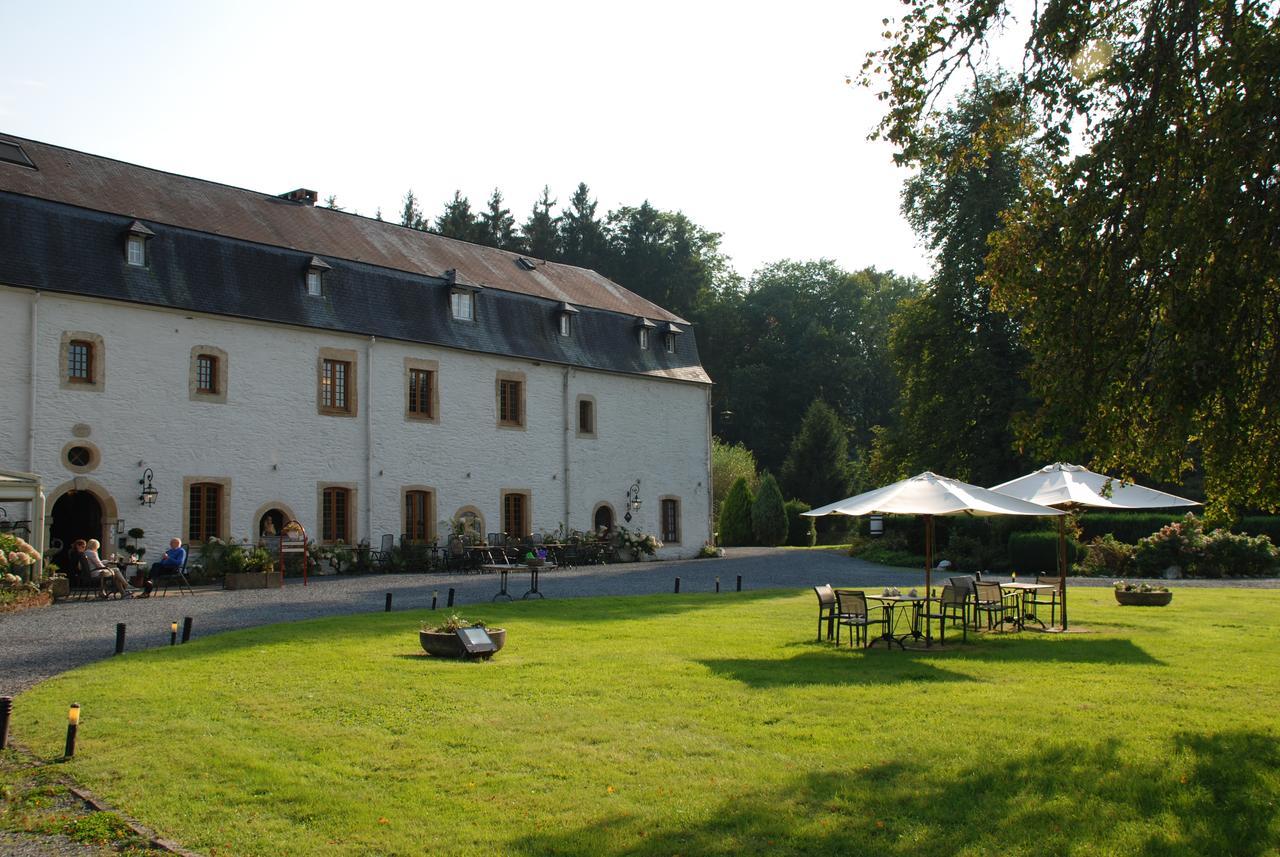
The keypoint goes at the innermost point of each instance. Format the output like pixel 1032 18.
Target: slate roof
pixel 244 254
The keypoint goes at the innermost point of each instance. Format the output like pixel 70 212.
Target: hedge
pixel 1037 553
pixel 1129 527
pixel 800 530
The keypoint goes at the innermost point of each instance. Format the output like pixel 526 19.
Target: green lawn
pixel 697 724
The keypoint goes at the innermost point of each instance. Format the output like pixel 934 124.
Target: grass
pixel 695 724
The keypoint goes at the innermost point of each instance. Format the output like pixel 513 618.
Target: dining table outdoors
pixel 503 570
pixel 897 607
pixel 1022 591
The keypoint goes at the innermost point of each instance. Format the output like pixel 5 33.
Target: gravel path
pixel 41 643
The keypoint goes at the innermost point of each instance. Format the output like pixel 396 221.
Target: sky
pixel 737 114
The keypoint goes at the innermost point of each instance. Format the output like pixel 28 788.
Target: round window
pixel 79 456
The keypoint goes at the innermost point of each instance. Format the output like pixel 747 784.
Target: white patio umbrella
pixel 1071 487
pixel 929 494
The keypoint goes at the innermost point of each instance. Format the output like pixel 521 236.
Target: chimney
pixel 301 195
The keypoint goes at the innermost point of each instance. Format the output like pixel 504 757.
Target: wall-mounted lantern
pixel 149 492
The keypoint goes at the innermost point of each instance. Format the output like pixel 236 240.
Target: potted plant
pixel 1142 594
pixel 17 556
pixel 441 640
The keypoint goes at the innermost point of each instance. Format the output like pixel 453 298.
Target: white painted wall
pixel 269 440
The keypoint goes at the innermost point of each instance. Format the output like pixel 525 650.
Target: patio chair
pixel 989 598
pixel 953 603
pixel 852 611
pixel 383 554
pixel 1050 597
pixel 826 609
pixel 175 574
pixel 964 586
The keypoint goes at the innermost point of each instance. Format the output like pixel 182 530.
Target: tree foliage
pixel 768 517
pixel 541 231
pixel 817 467
pixel 804 330
pixel 497 226
pixel 958 360
pixel 458 221
pixel 1142 264
pixel 735 515
pixel 411 212
pixel 728 465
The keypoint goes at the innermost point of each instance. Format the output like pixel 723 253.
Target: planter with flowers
pixel 442 641
pixel 633 545
pixel 17 557
pixel 1142 594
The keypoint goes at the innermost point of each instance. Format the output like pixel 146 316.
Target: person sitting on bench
pixel 174 559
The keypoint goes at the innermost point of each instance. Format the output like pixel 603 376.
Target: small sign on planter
pixel 477 643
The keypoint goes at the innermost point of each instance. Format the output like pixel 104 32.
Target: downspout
pixel 564 399
pixel 31 404
pixel 368 442
pixel 711 494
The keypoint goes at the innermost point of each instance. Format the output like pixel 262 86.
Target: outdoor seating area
pixel 966 603
pixel 472 553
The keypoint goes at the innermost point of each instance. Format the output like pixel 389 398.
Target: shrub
pixel 728 465
pixel 1180 543
pixel 735 515
pixel 1125 526
pixel 1106 556
pixel 800 531
pixel 1228 554
pixel 1034 553
pixel 768 517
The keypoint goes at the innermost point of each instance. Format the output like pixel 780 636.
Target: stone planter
pixel 59 588
pixel 253 580
pixel 445 644
pixel 1143 599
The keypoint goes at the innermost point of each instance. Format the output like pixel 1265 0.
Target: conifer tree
pixel 497 226
pixel 457 221
pixel 411 213
pixel 768 515
pixel 817 467
pixel 582 238
pixel 735 515
pixel 541 232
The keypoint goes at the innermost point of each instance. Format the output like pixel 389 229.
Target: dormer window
pixel 669 337
pixel 464 305
pixel 564 315
pixel 462 296
pixel 644 326
pixel 135 244
pixel 316 269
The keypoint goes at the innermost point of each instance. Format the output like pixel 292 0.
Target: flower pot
pixel 1143 599
pixel 252 580
pixel 445 644
pixel 59 588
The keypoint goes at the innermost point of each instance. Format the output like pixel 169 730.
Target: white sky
pixel 735 113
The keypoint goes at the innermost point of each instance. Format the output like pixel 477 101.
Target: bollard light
pixel 120 638
pixel 717 584
pixel 73 723
pixel 186 629
pixel 677 586
pixel 388 607
pixel 435 593
pixel 173 633
pixel 450 602
pixel 6 706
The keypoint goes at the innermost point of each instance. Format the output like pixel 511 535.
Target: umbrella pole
pixel 1062 568
pixel 928 574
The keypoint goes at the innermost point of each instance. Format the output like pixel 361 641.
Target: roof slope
pixel 111 186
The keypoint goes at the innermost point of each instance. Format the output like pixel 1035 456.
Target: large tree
pixel 805 329
pixel 497 226
pixel 958 360
pixel 541 232
pixel 458 221
pixel 582 238
pixel 411 212
pixel 1143 263
pixel 817 466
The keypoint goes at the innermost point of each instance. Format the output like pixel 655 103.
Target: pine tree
pixel 457 221
pixel 817 467
pixel 411 214
pixel 582 238
pixel 541 232
pixel 497 226
pixel 735 515
pixel 768 517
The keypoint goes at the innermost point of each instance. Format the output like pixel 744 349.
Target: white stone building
pixel 256 357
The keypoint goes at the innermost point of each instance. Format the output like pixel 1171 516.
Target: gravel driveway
pixel 41 643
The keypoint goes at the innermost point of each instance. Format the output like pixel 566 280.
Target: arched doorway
pixel 271 523
pixel 75 515
pixel 603 519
